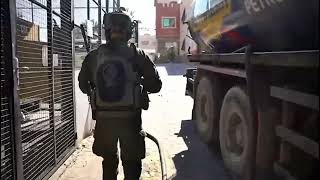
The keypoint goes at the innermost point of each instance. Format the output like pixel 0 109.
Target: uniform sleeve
pixel 85 75
pixel 151 79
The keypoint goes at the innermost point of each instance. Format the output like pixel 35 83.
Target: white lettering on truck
pixel 256 6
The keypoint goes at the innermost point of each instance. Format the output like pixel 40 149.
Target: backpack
pixel 118 89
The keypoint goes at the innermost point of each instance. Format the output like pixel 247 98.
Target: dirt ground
pixel 168 119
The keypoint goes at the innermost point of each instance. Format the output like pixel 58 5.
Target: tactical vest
pixel 118 89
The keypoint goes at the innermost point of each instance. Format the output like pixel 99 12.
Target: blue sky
pixel 144 11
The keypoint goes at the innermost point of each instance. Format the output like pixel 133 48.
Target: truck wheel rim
pixel 235 141
pixel 204 115
pixel 204 110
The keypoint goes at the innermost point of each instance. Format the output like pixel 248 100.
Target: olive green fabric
pixel 151 79
pixel 110 131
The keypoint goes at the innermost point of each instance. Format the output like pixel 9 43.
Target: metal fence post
pixel 73 75
pixel 15 106
pixel 52 102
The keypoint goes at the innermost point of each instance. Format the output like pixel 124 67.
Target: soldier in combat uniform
pixel 117 123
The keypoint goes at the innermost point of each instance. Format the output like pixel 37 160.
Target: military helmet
pixel 120 19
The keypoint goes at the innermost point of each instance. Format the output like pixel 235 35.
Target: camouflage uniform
pixel 109 130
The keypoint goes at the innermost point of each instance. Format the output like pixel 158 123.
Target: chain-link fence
pixel 44 50
pixel 7 157
pixel 37 80
pixel 38 130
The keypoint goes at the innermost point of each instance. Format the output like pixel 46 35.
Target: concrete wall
pixel 186 7
pixel 148 42
pixel 84 122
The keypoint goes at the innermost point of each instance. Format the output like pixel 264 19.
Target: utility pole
pixel 88 18
pixel 107 6
pixel 116 5
pixel 99 21
pixel 136 31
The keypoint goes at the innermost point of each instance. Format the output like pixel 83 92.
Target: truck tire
pixel 236 131
pixel 206 111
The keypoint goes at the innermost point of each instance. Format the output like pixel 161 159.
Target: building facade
pixel 167 25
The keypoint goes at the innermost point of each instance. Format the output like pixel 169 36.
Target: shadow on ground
pixel 175 69
pixel 198 162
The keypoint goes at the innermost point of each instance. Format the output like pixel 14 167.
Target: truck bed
pixel 307 59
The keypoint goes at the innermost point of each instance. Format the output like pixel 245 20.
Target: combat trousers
pixel 108 133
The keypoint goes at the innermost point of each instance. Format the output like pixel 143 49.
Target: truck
pixel 257 106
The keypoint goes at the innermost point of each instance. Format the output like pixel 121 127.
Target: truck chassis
pixel 260 110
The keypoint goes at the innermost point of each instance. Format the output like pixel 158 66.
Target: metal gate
pixel 45 83
pixel 7 157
